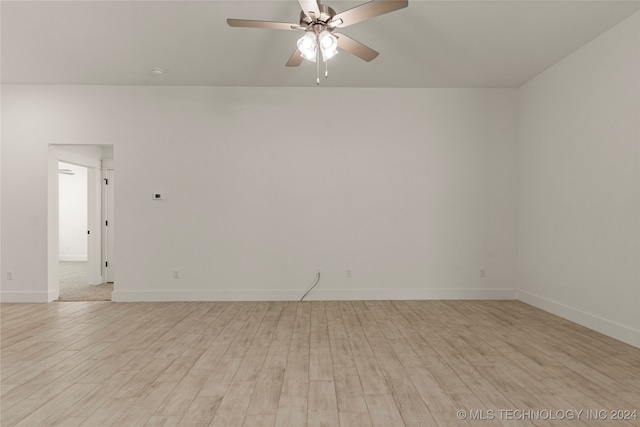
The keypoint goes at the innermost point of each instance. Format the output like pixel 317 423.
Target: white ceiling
pixel 429 44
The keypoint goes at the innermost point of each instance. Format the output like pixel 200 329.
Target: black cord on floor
pixel 311 288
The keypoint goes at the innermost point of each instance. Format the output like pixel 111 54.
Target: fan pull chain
pixel 318 67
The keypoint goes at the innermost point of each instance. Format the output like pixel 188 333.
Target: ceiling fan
pixel 319 22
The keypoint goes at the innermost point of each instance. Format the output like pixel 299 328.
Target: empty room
pixel 320 213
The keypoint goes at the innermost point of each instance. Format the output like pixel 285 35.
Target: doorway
pixel 78 219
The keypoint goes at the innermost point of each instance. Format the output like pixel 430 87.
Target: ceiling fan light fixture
pixel 307 46
pixel 309 56
pixel 327 54
pixel 327 40
pixel 328 45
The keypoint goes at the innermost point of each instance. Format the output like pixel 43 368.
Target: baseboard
pixel 319 295
pixel 607 327
pixel 72 258
pixel 29 297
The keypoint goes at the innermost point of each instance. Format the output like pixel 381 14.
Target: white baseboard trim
pixel 72 258
pixel 319 295
pixel 612 329
pixel 29 296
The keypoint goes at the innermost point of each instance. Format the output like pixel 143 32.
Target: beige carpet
pixel 73 284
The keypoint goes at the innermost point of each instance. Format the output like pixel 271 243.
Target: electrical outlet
pixel 482 273
pixel 347 273
pixel 176 274
pixel 9 275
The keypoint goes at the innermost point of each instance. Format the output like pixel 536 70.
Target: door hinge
pixel 106 223
pixel 106 181
pixel 106 263
pixel 88 231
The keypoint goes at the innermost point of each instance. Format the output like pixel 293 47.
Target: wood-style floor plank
pixel 320 363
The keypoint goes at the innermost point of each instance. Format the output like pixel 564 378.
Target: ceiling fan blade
pixel 246 23
pixel 368 10
pixel 296 59
pixel 358 49
pixel 310 7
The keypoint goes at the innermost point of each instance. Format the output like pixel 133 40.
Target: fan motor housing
pixel 326 15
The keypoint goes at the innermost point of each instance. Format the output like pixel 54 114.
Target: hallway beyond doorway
pixel 74 287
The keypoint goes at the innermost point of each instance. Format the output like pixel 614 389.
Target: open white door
pixel 94 244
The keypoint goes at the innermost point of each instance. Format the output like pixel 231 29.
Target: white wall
pixel 413 190
pixel 72 193
pixel 578 163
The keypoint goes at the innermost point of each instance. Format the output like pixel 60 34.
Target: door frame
pixel 108 173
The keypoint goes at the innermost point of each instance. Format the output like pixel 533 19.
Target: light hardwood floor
pixel 357 363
